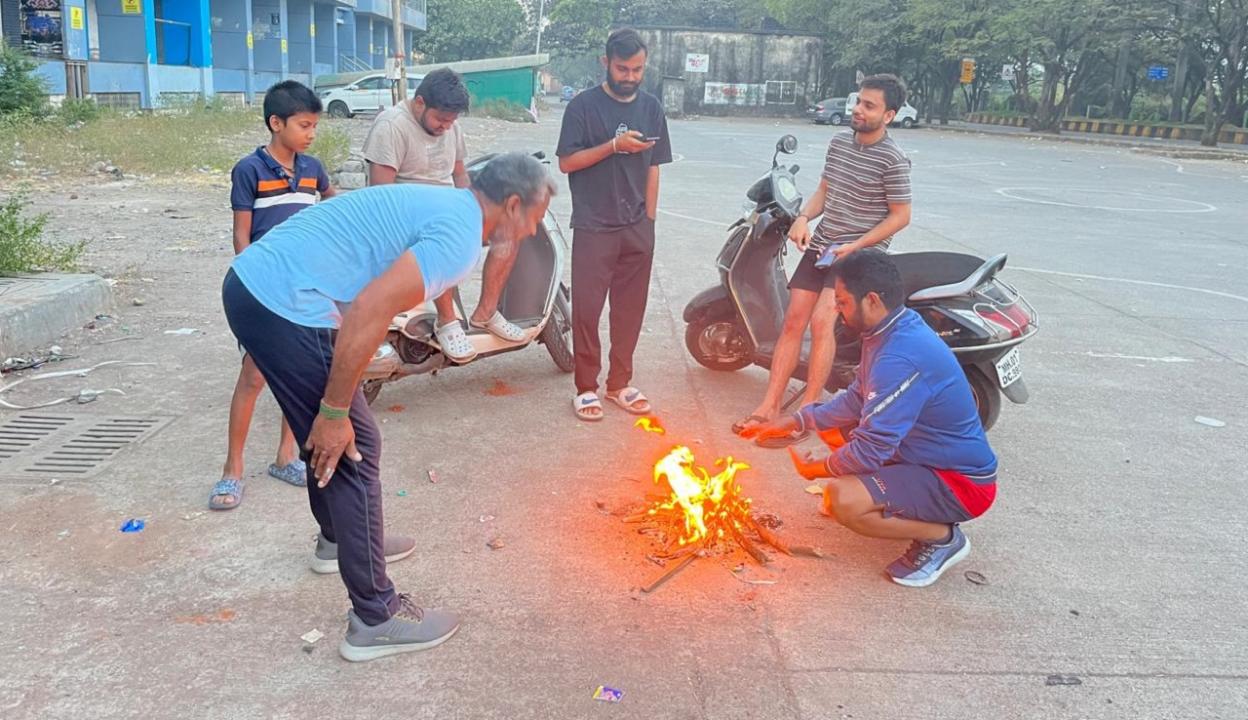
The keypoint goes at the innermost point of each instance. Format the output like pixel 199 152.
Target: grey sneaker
pixel 325 559
pixel 411 628
pixel 925 562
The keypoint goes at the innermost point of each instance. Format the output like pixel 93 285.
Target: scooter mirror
pixel 787 145
pixel 794 168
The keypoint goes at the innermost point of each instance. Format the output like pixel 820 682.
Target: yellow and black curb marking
pixel 1234 136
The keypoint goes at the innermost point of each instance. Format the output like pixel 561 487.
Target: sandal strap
pixel 227 486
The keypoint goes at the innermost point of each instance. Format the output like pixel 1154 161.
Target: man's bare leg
pixel 846 500
pixel 822 347
pixel 445 304
pixel 788 351
pixel 498 264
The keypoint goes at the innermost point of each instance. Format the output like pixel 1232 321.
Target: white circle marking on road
pixel 1196 206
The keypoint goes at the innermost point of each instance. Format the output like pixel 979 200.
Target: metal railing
pixel 170 30
pixel 417 5
pixel 350 63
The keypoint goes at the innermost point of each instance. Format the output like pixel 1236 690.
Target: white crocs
pixel 454 342
pixel 501 327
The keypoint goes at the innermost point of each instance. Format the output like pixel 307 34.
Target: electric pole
pixel 398 90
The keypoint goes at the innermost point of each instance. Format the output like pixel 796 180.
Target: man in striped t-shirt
pixel 864 197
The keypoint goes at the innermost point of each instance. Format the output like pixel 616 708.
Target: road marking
pixel 961 165
pixel 1120 356
pixel 1148 283
pixel 1010 192
pixel 704 221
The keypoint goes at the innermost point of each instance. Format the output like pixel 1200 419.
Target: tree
pixel 470 29
pixel 21 90
pixel 1225 47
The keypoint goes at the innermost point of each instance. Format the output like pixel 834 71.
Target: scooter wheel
pixel 557 335
pixel 987 396
pixel 372 388
pixel 718 344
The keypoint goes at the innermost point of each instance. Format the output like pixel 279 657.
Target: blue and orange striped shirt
pixel 262 186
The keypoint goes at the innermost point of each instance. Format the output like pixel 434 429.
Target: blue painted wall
pixel 230 23
pixel 346 32
pixel 123 38
pixel 326 36
pixel 299 47
pixel 106 77
pixel 228 80
pixel 191 47
pixel 364 38
pixel 381 42
pixel 53 74
pixel 268 36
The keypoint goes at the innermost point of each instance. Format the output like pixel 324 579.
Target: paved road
pixel 1113 552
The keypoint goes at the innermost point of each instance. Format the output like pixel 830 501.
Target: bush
pixel 78 111
pixel 22 92
pixel 22 247
pixel 501 110
pixel 332 147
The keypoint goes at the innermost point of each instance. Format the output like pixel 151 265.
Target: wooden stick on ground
pixel 749 546
pixel 671 572
pixel 769 537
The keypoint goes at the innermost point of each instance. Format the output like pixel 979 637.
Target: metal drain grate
pixel 68 447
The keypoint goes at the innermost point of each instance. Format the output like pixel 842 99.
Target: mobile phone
pixel 656 138
pixel 827 258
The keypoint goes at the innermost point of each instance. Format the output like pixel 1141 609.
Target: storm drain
pixel 67 447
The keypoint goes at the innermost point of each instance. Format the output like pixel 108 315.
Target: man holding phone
pixel 613 140
pixel 864 198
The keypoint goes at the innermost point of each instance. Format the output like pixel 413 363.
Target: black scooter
pixel 737 323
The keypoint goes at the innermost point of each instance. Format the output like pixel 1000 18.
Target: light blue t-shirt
pixel 323 257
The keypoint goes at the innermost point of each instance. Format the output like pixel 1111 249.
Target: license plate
pixel 1009 368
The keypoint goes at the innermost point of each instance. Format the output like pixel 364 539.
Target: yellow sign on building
pixel 75 18
pixel 312 30
pixel 131 7
pixel 968 71
pixel 283 44
pixel 250 42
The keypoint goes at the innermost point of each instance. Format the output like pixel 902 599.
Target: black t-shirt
pixel 612 194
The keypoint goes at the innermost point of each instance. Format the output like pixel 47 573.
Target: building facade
pixel 153 53
pixel 720 72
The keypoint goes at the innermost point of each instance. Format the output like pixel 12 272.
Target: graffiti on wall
pixel 42 32
pixel 734 94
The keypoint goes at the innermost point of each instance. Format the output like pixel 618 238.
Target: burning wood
pixel 701 512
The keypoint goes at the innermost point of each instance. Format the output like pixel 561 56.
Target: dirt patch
pixel 224 615
pixel 501 389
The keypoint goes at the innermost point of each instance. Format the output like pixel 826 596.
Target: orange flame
pixel 709 503
pixel 650 424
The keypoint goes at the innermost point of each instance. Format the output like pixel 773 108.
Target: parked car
pixel 907 116
pixel 567 93
pixel 369 94
pixel 829 112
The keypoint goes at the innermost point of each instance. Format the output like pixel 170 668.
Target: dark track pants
pixel 613 264
pixel 295 361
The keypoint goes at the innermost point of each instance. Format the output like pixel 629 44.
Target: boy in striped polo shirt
pixel 864 198
pixel 269 185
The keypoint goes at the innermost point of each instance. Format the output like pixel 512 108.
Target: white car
pixel 369 94
pixel 907 116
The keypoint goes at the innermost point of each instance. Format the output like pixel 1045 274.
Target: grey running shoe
pixel 925 562
pixel 411 628
pixel 325 559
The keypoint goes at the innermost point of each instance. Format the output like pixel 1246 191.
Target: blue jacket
pixel 911 403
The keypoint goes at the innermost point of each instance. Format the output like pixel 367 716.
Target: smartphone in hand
pixel 827 258
pixel 656 138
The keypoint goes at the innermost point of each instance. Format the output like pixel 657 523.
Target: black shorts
pixel 809 277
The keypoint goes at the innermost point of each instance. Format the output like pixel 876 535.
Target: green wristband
pixel 330 412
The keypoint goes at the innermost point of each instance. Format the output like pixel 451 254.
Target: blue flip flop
pixel 230 487
pixel 294 472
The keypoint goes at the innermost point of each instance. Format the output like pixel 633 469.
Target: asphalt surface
pixel 1113 553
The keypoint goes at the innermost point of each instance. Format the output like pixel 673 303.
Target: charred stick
pixel 769 537
pixel 670 573
pixel 749 546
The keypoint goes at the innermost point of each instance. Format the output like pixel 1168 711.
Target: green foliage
pixel 470 29
pixel 501 110
pixel 22 92
pixel 332 147
pixel 78 111
pixel 22 247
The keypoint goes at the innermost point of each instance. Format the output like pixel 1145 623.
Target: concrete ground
pixel 1113 553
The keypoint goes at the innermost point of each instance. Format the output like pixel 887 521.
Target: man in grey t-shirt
pixel 864 197
pixel 419 141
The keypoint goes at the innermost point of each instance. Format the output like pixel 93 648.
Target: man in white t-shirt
pixel 418 141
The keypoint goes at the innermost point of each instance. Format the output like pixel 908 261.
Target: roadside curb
pixel 40 308
pixel 1153 148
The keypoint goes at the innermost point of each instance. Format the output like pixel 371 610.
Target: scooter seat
pixel 923 270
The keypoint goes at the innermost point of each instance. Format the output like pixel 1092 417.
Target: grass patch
pixel 501 110
pixel 148 143
pixel 22 247
pixel 196 137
